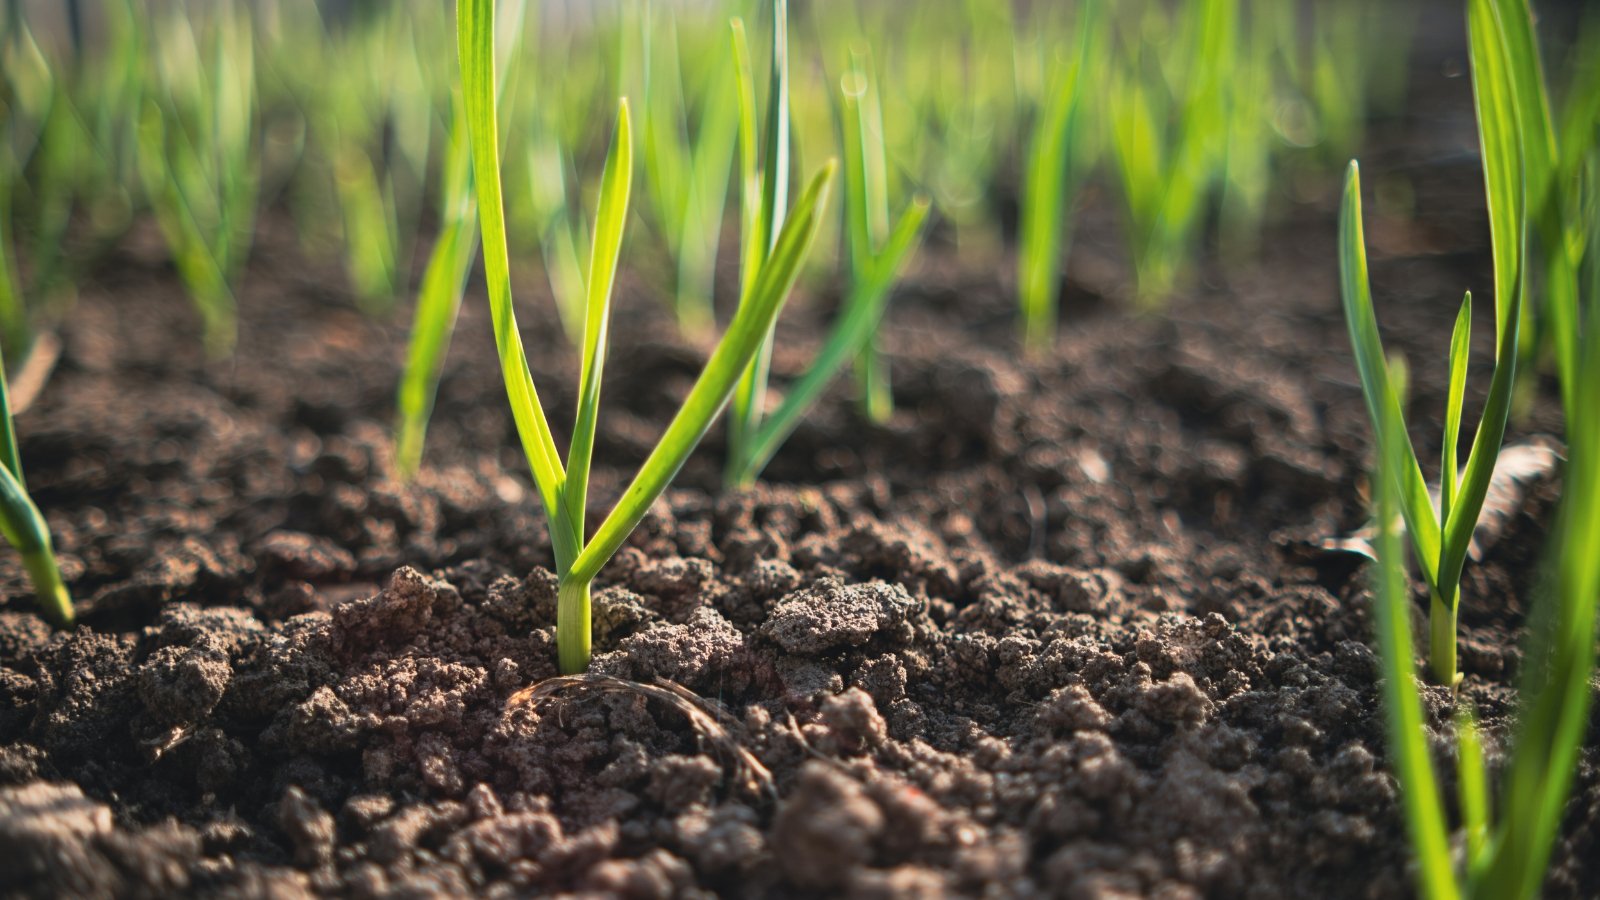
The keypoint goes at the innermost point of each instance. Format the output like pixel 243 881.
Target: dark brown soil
pixel 1059 629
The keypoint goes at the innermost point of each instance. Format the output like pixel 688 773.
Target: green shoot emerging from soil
pixel 1169 144
pixel 1441 535
pixel 563 489
pixel 1507 844
pixel 438 301
pixel 22 523
pixel 764 186
pixel 876 254
pixel 198 160
pixel 450 262
pixel 1052 176
pixel 754 434
pixel 686 169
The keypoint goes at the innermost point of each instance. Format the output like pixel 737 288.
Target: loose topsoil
pixel 1061 628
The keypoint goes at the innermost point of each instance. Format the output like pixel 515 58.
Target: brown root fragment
pixel 710 724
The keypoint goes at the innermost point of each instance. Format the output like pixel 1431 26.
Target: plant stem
pixel 872 375
pixel 1442 638
pixel 51 590
pixel 572 626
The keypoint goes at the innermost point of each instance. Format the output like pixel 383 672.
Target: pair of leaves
pixel 754 436
pixel 1441 536
pixel 563 489
pixel 764 198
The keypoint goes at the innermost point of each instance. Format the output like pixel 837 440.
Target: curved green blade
pixel 863 312
pixel 610 218
pixel 1499 128
pixel 475 45
pixel 1408 737
pixel 750 325
pixel 1383 403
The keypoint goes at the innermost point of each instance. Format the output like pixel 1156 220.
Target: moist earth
pixel 1062 627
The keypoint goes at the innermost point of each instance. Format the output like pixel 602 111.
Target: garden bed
pixel 1063 626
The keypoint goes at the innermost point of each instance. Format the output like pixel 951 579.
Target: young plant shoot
pixel 686 169
pixel 197 159
pixel 438 301
pixel 1408 738
pixel 754 435
pixel 1168 139
pixel 1052 175
pixel 875 255
pixel 1556 224
pixel 450 262
pixel 764 192
pixel 1441 535
pixel 1507 843
pixel 22 523
pixel 563 489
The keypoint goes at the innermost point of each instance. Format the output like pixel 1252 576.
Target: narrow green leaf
pixel 1408 737
pixel 1559 651
pixel 22 524
pixel 1460 341
pixel 197 260
pixel 1043 205
pixel 872 377
pixel 859 241
pixel 475 46
pixel 1473 785
pixel 863 312
pixel 1498 128
pixel 775 175
pixel 24 528
pixel 1383 403
pixel 1495 98
pixel 866 211
pixel 370 231
pixel 1544 173
pixel 1560 660
pixel 750 399
pixel 751 323
pixel 868 115
pixel 610 219
pixel 10 459
pixel 753 241
pixel 438 301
